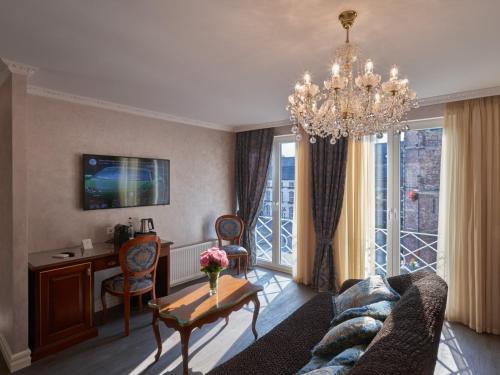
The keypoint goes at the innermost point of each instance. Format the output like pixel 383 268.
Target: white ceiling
pixel 233 62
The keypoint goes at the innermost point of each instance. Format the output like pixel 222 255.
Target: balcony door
pixel 274 230
pixel 407 177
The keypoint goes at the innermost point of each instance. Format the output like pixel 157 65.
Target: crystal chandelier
pixel 350 105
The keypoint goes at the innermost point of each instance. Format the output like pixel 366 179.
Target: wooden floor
pixel 462 351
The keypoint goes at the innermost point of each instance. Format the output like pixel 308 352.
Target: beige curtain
pixel 354 239
pixel 304 237
pixel 469 227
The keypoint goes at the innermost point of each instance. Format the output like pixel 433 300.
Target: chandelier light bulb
pixel 394 73
pixel 377 98
pixel 307 78
pixel 335 70
pixel 369 67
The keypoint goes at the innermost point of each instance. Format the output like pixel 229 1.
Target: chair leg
pixel 141 307
pixel 104 311
pixel 126 304
pixel 246 266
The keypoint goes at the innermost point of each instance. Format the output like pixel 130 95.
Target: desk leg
pixel 185 334
pixel 156 331
pixel 256 309
pixel 163 276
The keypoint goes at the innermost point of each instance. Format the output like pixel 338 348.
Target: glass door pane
pixel 287 197
pixel 264 227
pixel 274 230
pixel 420 167
pixel 381 201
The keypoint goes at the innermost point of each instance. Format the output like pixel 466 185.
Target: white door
pixel 273 234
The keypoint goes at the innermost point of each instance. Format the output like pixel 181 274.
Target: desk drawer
pixel 105 263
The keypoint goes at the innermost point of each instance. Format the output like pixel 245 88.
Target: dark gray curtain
pixel 328 167
pixel 253 152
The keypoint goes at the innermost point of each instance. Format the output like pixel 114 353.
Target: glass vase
pixel 213 280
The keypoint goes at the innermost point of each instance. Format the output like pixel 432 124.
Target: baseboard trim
pixel 14 361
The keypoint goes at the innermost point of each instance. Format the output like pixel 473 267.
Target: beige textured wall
pixel 6 205
pixel 13 214
pixel 19 213
pixel 201 173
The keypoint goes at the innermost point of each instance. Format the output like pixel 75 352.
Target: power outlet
pixel 109 230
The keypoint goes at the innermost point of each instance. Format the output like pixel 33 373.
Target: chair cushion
pixel 370 290
pixel 348 357
pixel 230 228
pixel 331 370
pixel 234 250
pixel 141 256
pixel 357 331
pixel 378 310
pixel 115 283
pixel 315 363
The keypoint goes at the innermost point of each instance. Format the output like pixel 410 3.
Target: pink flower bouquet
pixel 213 260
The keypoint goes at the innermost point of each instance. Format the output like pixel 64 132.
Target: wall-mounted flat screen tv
pixel 117 182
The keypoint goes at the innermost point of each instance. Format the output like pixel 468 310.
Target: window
pixel 290 196
pixel 407 178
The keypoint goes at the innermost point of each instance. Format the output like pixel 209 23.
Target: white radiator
pixel 185 262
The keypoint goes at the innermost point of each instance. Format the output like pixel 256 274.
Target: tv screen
pixel 116 182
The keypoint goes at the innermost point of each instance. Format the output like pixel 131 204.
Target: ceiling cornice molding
pixel 457 96
pixel 92 102
pixel 20 68
pixel 263 125
pixel 424 102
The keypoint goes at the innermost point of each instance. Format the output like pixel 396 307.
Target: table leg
pixel 256 309
pixel 156 331
pixel 185 333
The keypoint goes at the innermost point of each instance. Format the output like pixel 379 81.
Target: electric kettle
pixel 147 226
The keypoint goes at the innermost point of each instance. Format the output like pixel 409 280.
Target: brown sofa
pixel 407 343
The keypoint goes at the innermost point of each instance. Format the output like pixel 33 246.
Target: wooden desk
pixel 61 294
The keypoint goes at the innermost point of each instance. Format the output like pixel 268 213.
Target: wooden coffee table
pixel 192 307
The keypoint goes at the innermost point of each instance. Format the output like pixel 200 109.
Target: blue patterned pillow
pixel 370 290
pixel 331 370
pixel 378 310
pixel 357 331
pixel 315 363
pixel 348 357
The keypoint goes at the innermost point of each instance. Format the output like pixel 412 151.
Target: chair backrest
pixel 229 228
pixel 139 257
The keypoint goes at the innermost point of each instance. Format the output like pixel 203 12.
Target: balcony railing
pixel 418 251
pixel 264 240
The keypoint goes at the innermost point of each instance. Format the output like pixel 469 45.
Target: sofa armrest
pixel 347 284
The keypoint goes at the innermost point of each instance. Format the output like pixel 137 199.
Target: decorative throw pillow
pixel 370 290
pixel 348 357
pixel 357 331
pixel 378 310
pixel 315 363
pixel 331 370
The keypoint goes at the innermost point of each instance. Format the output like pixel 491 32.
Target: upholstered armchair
pixel 138 259
pixel 230 228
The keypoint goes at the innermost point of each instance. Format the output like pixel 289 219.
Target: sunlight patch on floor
pixel 451 359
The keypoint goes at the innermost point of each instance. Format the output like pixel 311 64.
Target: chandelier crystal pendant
pixel 349 105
